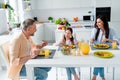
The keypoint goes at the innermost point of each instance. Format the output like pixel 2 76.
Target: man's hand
pixel 44 43
pixel 35 53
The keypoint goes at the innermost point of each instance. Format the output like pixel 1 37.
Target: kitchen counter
pixel 80 34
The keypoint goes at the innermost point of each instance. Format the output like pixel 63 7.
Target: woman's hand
pixel 104 40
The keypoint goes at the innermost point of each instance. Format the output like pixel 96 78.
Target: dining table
pixel 61 60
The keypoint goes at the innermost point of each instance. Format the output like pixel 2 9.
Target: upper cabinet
pixel 41 4
pixel 103 3
pixel 115 7
pixel 72 3
pixel 55 4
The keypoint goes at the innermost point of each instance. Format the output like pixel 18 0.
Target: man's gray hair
pixel 27 23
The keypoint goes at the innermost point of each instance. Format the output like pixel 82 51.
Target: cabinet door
pixel 50 32
pixel 83 35
pixel 115 8
pixel 54 4
pixel 41 4
pixel 103 3
pixel 72 3
pixel 3 21
pixel 58 35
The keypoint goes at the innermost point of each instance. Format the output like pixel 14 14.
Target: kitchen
pixel 68 9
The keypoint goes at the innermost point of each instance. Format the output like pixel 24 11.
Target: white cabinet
pixel 41 4
pixel 103 3
pixel 81 34
pixel 49 29
pixel 115 8
pixel 58 35
pixel 39 34
pixel 71 3
pixel 54 4
pixel 82 23
pixel 3 21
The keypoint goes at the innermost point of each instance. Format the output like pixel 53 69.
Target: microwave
pixel 88 18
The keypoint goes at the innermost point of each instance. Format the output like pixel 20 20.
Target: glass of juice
pixel 46 53
pixel 114 45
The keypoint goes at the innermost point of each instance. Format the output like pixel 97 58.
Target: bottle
pixel 9 28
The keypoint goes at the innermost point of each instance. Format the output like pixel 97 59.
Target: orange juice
pixel 114 45
pixel 85 48
pixel 46 53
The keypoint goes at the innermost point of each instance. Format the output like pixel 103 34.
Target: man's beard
pixel 32 34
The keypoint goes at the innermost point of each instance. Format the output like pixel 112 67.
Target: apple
pixel 59 28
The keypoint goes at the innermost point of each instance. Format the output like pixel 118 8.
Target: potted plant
pixel 50 19
pixel 7 6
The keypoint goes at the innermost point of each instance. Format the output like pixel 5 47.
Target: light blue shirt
pixel 112 35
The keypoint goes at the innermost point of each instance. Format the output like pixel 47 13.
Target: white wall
pixel 61 13
pixel 116 26
pixel 1 1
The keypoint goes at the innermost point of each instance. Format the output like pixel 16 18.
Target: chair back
pixel 5 50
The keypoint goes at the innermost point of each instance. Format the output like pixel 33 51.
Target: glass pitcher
pixel 85 48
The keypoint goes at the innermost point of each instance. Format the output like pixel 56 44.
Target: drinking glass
pixel 114 45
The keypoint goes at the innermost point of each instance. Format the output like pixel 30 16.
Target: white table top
pixel 60 60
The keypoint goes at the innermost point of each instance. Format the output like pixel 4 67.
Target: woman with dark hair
pixel 102 34
pixel 68 39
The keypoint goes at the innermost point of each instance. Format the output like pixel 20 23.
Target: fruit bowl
pixel 65 49
pixel 69 46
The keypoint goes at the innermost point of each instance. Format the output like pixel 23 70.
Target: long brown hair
pixel 106 26
pixel 71 39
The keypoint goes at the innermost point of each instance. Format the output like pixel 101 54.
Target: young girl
pixel 102 34
pixel 69 40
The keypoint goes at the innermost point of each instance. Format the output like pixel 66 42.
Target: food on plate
pixel 65 51
pixel 42 51
pixel 101 46
pixel 103 54
pixel 68 46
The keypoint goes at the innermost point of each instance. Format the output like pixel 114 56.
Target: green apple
pixel 58 21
